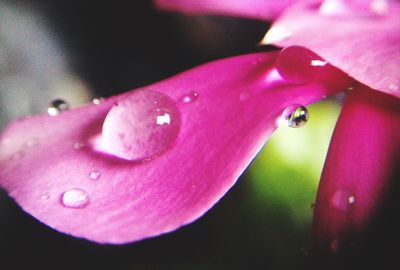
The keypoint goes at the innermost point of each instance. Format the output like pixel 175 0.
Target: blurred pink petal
pixel 254 9
pixel 57 167
pixel 365 47
pixel 362 161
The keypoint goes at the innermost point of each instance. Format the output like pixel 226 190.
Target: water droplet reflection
pixel 94 175
pixel 143 124
pixel 57 106
pixel 45 196
pixel 295 116
pixel 342 200
pixel 298 65
pixel 98 101
pixel 75 198
pixel 190 97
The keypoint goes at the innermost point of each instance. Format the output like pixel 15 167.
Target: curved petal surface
pixel 253 9
pixel 372 42
pixel 362 161
pixel 223 124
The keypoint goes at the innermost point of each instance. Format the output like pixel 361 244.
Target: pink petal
pixel 254 9
pixel 228 109
pixel 361 163
pixel 365 47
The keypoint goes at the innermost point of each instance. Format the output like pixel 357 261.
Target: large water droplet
pixel 141 125
pixel 75 198
pixel 295 116
pixel 343 200
pixel 57 106
pixel 190 97
pixel 95 175
pixel 298 65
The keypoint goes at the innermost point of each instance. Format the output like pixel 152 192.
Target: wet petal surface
pixel 365 46
pixel 62 170
pixel 362 162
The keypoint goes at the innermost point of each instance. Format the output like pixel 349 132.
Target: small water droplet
pixel 78 145
pixel 98 101
pixel 144 124
pixel 352 200
pixel 350 89
pixel 94 175
pixel 75 198
pixel 295 116
pixel 190 97
pixel 45 196
pixel 256 62
pixel 342 200
pixel 57 106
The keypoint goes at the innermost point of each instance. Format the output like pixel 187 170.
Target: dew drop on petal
pixel 57 106
pixel 75 198
pixel 298 65
pixel 350 89
pixel 141 125
pixel 95 175
pixel 295 116
pixel 342 200
pixel 190 97
pixel 45 196
pixel 98 101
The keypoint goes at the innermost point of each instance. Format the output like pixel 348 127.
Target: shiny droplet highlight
pixel 190 97
pixel 342 200
pixel 57 106
pixel 298 65
pixel 141 125
pixel 98 101
pixel 75 198
pixel 95 175
pixel 295 116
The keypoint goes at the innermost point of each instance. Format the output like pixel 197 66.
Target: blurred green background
pixel 77 50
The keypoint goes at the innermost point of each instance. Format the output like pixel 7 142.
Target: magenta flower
pixel 154 159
